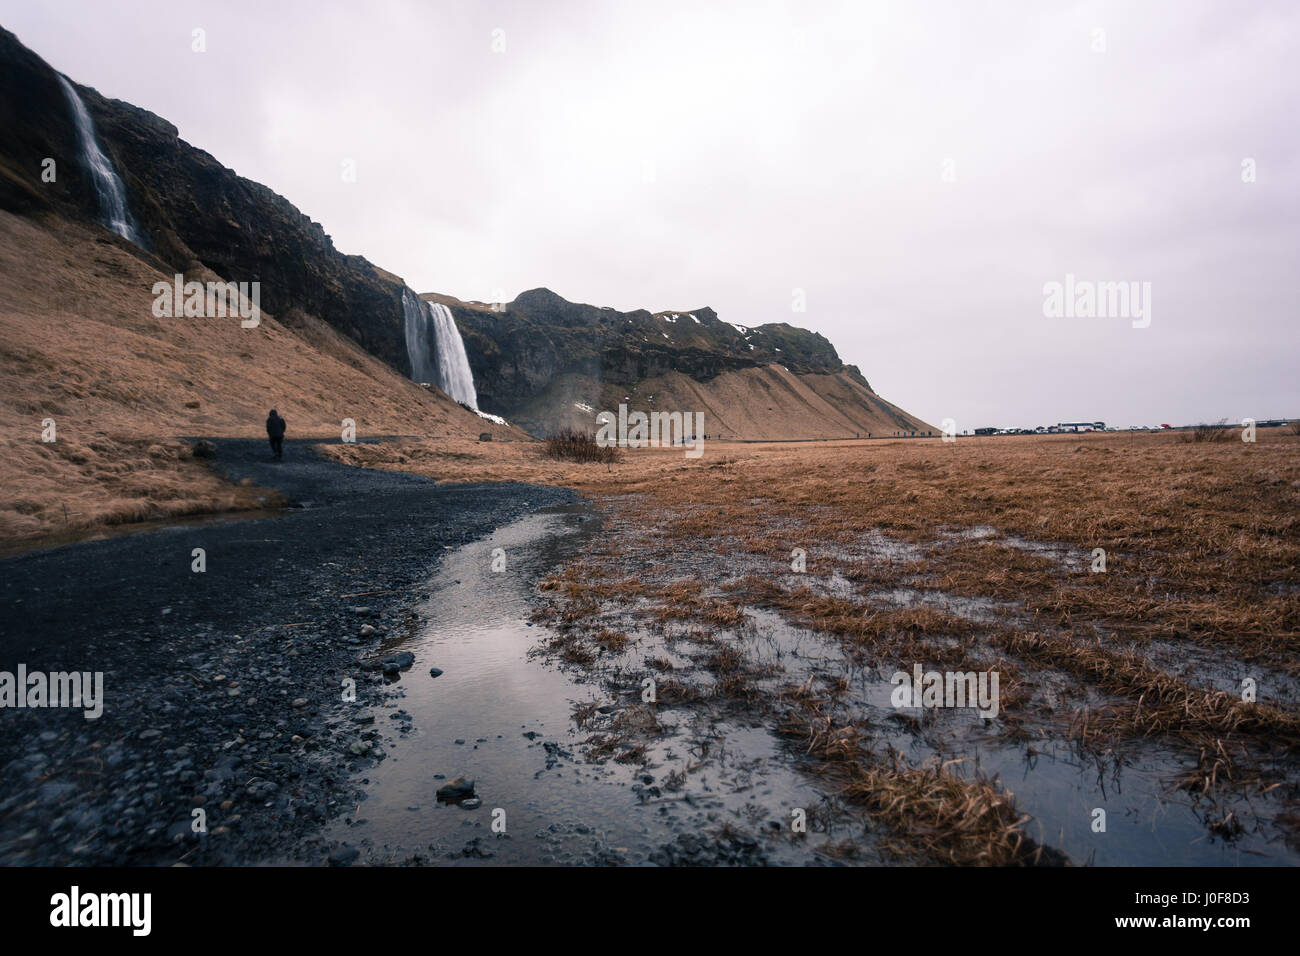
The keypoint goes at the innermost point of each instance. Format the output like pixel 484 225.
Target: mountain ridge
pixel 545 362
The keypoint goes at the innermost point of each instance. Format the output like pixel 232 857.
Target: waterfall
pixel 418 344
pixel 436 350
pixel 108 185
pixel 454 376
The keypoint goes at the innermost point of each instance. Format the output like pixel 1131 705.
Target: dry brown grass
pixel 69 486
pixel 79 344
pixel 948 818
pixel 1201 544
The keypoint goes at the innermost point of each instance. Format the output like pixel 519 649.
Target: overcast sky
pixel 919 170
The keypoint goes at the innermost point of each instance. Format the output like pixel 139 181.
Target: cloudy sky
pixel 919 170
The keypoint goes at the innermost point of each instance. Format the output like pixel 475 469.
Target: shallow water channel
pixel 503 718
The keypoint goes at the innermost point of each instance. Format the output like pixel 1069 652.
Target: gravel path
pixel 223 690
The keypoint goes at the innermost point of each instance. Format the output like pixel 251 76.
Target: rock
pixel 150 734
pixel 366 630
pixel 456 791
pixel 359 748
pixel 397 662
pixel 204 449
pixel 473 803
pixel 435 671
pixel 299 702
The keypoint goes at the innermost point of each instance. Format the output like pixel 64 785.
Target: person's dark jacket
pixel 275 425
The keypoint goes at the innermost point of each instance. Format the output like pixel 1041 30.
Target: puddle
pixel 1148 821
pixel 159 526
pixel 715 764
pixel 504 718
pixel 980 610
pixel 1070 559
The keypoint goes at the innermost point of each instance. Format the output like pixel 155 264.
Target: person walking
pixel 275 426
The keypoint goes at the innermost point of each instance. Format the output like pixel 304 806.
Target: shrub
pixel 570 444
pixel 1218 432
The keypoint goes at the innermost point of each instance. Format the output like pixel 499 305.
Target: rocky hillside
pixel 545 363
pixel 194 213
pixel 85 361
pixel 542 362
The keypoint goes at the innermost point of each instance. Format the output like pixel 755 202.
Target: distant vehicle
pixel 986 431
pixel 1166 426
pixel 1077 426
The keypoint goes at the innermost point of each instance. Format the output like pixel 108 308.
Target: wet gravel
pixel 223 689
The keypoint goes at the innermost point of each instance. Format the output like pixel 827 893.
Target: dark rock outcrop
pixel 520 350
pixel 195 213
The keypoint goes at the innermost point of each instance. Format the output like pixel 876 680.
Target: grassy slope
pixel 757 404
pixel 79 344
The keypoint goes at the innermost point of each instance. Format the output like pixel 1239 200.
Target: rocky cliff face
pixel 195 212
pixel 546 363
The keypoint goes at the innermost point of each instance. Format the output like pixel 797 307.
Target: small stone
pixel 435 671
pixel 459 789
pixel 300 702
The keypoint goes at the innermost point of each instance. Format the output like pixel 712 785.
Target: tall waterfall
pixel 436 350
pixel 418 344
pixel 108 185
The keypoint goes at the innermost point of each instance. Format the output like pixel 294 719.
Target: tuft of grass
pixel 1205 432
pixel 570 444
